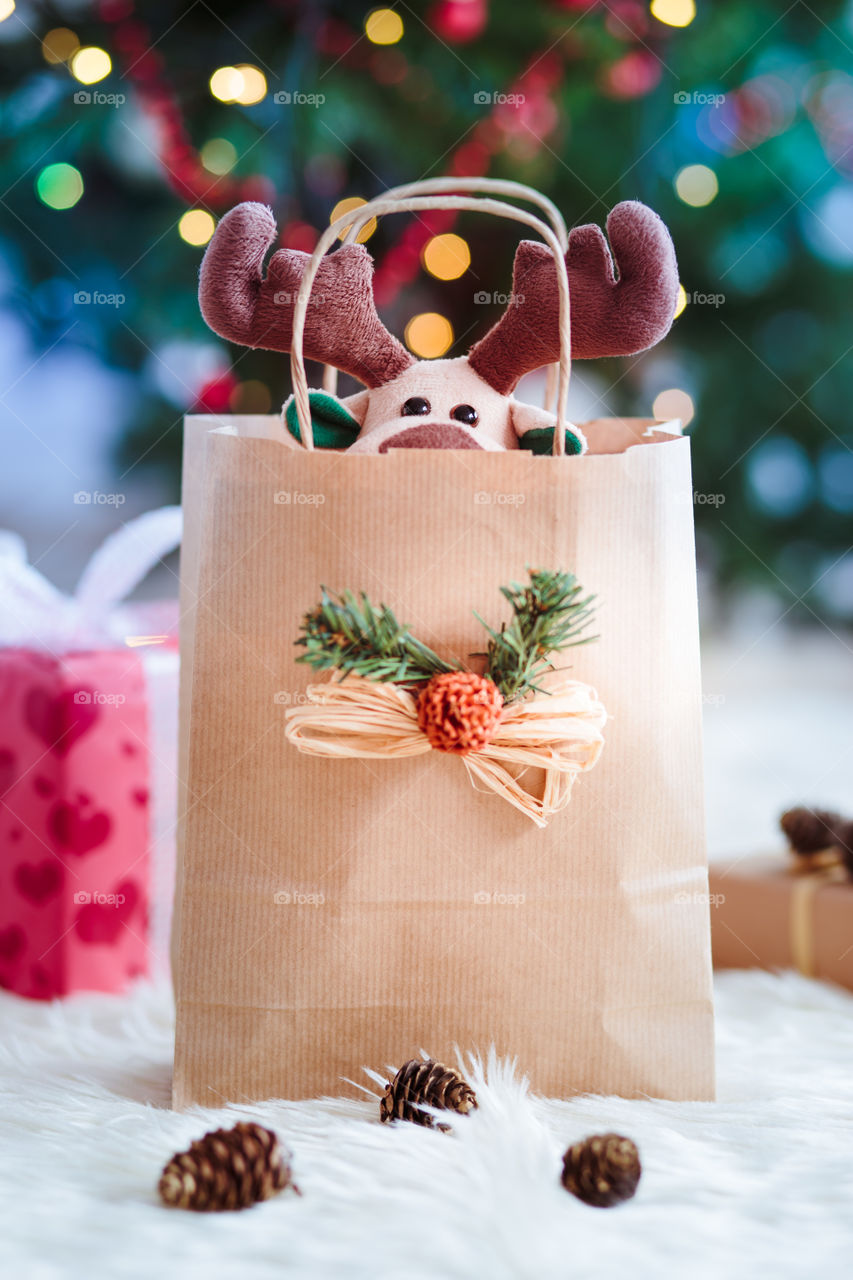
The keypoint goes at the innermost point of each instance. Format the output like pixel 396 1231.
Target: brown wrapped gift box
pixel 768 915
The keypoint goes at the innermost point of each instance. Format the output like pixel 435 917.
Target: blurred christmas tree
pixel 128 129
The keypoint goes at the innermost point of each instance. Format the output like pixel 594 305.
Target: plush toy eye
pixel 416 405
pixel 465 413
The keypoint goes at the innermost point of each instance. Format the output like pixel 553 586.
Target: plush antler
pixel 341 324
pixel 609 316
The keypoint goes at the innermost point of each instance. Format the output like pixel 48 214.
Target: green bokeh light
pixel 59 185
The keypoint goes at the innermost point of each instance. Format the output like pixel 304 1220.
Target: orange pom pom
pixel 459 711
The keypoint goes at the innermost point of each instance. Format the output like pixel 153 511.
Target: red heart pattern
pixel 12 942
pixel 39 882
pixel 76 833
pixel 102 922
pixel 60 719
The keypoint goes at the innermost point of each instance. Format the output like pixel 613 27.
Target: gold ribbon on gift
pixel 559 732
pixel 811 875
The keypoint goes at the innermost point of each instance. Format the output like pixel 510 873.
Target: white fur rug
pixel 758 1184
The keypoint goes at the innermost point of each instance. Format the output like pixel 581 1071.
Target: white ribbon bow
pixel 33 612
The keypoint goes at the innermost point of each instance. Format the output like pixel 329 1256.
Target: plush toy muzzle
pixel 620 305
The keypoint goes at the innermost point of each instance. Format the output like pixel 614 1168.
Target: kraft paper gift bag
pixel 336 914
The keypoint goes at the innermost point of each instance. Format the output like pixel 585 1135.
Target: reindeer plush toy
pixel 463 403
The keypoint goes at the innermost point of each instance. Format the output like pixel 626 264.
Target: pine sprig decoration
pixel 549 614
pixel 347 633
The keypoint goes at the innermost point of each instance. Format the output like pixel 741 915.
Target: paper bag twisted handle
pixel 413 203
pixel 559 733
pixel 471 186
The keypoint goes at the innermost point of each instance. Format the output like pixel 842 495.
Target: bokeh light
pixel 429 335
pixel 7 8
pixel 389 66
pixel 90 64
pixel 251 396
pixel 346 206
pixel 741 119
pixel 254 86
pixel 680 301
pixel 750 257
pixel 196 226
pixel 226 84
pixel 828 99
pixel 835 473
pixel 218 156
pixel 829 226
pixel 383 26
pixel 675 13
pixel 696 185
pixel 60 44
pixel 633 75
pixel 59 186
pixel 780 476
pixel 299 235
pixel 674 403
pixel 835 583
pixel 447 257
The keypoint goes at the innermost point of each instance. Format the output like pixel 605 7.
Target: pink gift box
pixel 87 747
pixel 76 791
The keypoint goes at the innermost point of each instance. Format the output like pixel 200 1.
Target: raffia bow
pixel 558 732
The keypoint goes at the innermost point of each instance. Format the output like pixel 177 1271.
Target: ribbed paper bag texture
pixel 341 914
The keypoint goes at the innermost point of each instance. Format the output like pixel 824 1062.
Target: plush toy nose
pixel 430 435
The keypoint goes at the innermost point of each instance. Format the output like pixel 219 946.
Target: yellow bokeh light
pixel 7 8
pixel 346 206
pixel 429 335
pixel 90 64
pixel 383 26
pixel 59 45
pixel 196 226
pixel 696 185
pixel 226 84
pixel 447 257
pixel 675 13
pixel 218 155
pixel 254 86
pixel 680 301
pixel 673 403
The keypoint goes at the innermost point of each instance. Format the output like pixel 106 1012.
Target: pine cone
pixel 226 1169
pixel 602 1170
pixel 425 1081
pixel 459 711
pixel 810 830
